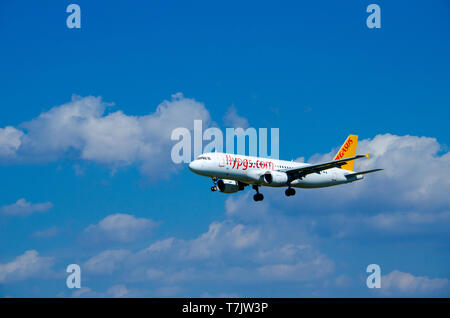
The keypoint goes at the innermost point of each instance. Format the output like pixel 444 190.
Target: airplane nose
pixel 194 165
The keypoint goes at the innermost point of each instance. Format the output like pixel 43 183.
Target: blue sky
pixel 101 191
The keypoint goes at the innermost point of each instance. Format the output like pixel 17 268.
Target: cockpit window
pixel 203 158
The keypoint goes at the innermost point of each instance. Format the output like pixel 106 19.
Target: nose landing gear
pixel 258 196
pixel 214 187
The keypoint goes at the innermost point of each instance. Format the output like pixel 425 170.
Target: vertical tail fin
pixel 348 150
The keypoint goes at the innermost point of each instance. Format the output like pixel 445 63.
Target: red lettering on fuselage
pixel 245 164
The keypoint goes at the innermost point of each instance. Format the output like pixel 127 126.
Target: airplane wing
pixel 303 171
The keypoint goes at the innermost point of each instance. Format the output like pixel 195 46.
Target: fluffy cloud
pixel 106 262
pixel 50 232
pixel 160 246
pixel 23 208
pixel 219 238
pixel 83 129
pixel 406 283
pixel 10 140
pixel 232 119
pixel 409 196
pixel 416 173
pixel 273 250
pixel 280 240
pixel 118 228
pixel 27 265
pixel 115 291
pixel 409 222
pixel 121 291
pixel 301 271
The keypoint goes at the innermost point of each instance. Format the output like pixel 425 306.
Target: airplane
pixel 232 173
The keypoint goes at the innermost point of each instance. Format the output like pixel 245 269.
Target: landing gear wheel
pixel 289 192
pixel 213 188
pixel 258 197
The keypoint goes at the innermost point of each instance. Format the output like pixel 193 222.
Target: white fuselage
pixel 250 170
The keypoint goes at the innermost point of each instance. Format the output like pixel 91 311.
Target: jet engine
pixel 275 178
pixel 228 186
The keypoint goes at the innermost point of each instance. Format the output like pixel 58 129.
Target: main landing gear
pixel 258 196
pixel 214 187
pixel 289 191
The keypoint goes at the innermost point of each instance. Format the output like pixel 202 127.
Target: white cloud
pixel 82 129
pixel 343 281
pixel 221 236
pixel 232 119
pixel 119 228
pixel 115 291
pixel 284 253
pixel 344 225
pixel 118 291
pixel 168 291
pixel 27 265
pixel 317 267
pixel 273 249
pixel 413 168
pixel 236 206
pixel 106 262
pixel 10 140
pixel 50 232
pixel 160 246
pixel 415 173
pixel 407 283
pixel 409 196
pixel 397 220
pixel 23 208
pixel 122 291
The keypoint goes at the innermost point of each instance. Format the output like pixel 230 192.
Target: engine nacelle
pixel 228 186
pixel 275 177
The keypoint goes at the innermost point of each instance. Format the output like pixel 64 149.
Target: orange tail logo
pixel 347 150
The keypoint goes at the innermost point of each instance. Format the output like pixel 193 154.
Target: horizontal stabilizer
pixel 362 172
